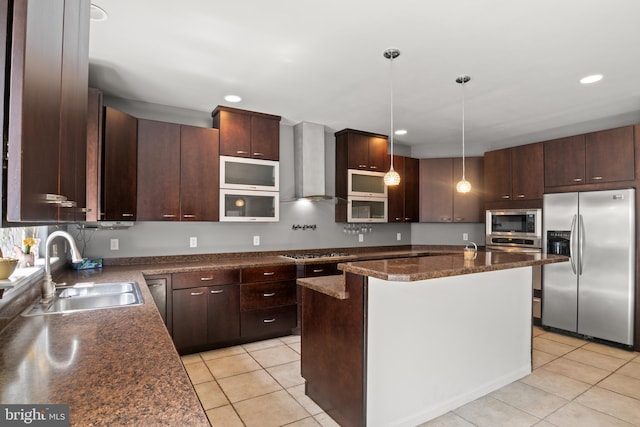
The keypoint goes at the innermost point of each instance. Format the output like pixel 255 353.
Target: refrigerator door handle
pixel 580 244
pixel 571 244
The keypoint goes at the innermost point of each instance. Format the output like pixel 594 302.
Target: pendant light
pixel 391 177
pixel 463 186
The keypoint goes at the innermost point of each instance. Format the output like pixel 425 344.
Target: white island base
pixel 434 345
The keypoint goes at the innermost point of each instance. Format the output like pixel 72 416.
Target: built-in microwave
pixel 240 173
pixel 514 227
pixel 366 184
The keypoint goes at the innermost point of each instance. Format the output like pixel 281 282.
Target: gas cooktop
pixel 315 255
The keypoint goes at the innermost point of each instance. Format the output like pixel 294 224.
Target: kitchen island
pixel 402 341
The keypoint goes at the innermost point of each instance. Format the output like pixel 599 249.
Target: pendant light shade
pixel 463 186
pixel 392 177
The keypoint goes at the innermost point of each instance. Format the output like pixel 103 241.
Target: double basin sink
pixel 83 297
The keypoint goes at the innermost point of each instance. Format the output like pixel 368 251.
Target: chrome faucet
pixel 48 285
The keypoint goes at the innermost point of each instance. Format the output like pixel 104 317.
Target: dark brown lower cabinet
pixel 205 316
pixel 190 317
pixel 268 308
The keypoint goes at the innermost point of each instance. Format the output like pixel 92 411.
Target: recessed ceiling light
pixel 401 132
pixel 98 13
pixel 232 98
pixel 591 79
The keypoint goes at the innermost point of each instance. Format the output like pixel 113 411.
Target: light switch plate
pixel 465 236
pixel 398 236
pixel 360 238
pixel 256 240
pixel 115 244
pixel 193 242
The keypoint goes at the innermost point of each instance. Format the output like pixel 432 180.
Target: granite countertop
pixel 112 367
pixel 119 366
pixel 426 267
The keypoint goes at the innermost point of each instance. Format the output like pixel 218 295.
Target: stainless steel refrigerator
pixel 593 294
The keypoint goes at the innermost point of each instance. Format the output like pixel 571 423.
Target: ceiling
pixel 321 61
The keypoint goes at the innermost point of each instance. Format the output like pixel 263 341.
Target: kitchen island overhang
pixel 404 341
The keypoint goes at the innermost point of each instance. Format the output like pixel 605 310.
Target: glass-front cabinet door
pixel 243 206
pixel 366 209
pixel 249 174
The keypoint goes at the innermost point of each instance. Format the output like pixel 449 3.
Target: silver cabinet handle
pixel 445 218
pixel 398 219
pixel 168 216
pixel 258 154
pixel 408 219
pixel 127 214
pixel 577 179
pixel 269 294
pixel 241 152
pixel 268 320
pixel 520 196
pixel 217 291
pixel 318 270
pixel 206 279
pixel 373 167
pixel 596 178
pixel 195 294
pixel 269 273
pixel 506 196
pixel 459 219
pixel 188 216
pixel 362 166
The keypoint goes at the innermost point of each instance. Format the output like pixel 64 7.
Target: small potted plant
pixel 26 257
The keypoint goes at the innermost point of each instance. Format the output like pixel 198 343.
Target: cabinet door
pixel 357 151
pixel 564 161
pixel 95 119
pixel 120 164
pixel 610 155
pixel 158 171
pixel 436 196
pixel 468 207
pixel 396 193
pixel 223 313
pixel 160 289
pixel 34 109
pixel 190 317
pixel 265 138
pixel 378 154
pixel 411 189
pixel 527 172
pixel 73 109
pixel 235 133
pixel 199 177
pixel 497 175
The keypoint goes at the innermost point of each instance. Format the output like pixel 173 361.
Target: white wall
pixel 172 238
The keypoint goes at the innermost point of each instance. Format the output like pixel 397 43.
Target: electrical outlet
pixel 115 244
pixel 256 240
pixel 193 242
pixel 360 238
pixel 465 236
pixel 398 236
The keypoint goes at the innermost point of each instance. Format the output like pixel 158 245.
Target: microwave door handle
pixel 571 244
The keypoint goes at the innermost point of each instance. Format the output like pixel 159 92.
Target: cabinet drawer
pixel 314 270
pixel 261 274
pixel 256 323
pixel 267 295
pixel 205 278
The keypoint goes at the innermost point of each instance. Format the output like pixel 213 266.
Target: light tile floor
pixel 574 383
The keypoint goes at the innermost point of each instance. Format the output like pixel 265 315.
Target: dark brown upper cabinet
pixel 514 174
pixel 594 158
pixel 247 133
pixel 364 150
pixel 439 200
pixel 403 199
pixel 177 172
pixel 119 166
pixel 47 106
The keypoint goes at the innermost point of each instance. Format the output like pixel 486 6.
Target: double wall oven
pixel 518 230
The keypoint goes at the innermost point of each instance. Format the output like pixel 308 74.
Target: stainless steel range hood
pixel 309 161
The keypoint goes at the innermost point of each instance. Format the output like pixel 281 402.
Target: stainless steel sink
pixel 99 289
pixel 85 297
